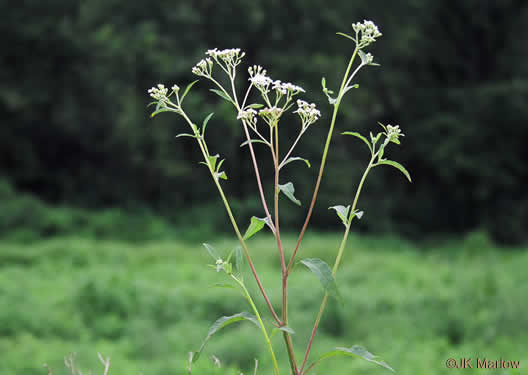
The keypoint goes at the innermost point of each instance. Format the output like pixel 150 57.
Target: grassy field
pixel 147 305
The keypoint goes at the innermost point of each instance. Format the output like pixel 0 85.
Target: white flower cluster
pixel 307 112
pixel 393 132
pixel 204 68
pixel 370 58
pixel 231 56
pixel 258 77
pixel 271 115
pixel 249 115
pixel 369 32
pixel 159 92
pixel 287 88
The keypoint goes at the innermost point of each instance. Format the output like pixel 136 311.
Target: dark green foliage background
pixel 76 132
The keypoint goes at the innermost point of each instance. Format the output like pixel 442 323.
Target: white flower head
pixel 307 112
pixel 249 115
pixel 232 56
pixel 286 88
pixel 271 115
pixel 175 88
pixel 258 77
pixel 158 92
pixel 203 68
pixel 393 133
pixel 367 32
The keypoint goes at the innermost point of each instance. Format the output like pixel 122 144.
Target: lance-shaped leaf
pixel 221 323
pixel 221 94
pixel 255 106
pixel 221 175
pixel 295 158
pixel 158 111
pixel 347 36
pixel 289 191
pixel 355 351
pixel 254 227
pixel 187 90
pixel 396 165
pixel 357 135
pixel 205 121
pixel 252 141
pixel 324 274
pixel 342 212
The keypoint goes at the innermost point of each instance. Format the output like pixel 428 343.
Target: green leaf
pixel 205 121
pixel 186 135
pixel 220 165
pixel 157 112
pixel 221 175
pixel 287 329
pixel 221 94
pixel 255 106
pixel 221 323
pixel 252 141
pixel 355 134
pixel 355 351
pixel 212 251
pixel 289 191
pixel 212 161
pixel 294 158
pixel 324 274
pixel 397 165
pixel 381 152
pixel 383 126
pixel 255 226
pixel 187 90
pixel 364 58
pixel 323 82
pixel 348 88
pixel 223 285
pixel 347 36
pixel 342 212
pixel 151 103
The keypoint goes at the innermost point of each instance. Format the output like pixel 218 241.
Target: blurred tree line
pixel 76 129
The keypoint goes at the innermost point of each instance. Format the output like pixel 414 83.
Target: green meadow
pixel 146 305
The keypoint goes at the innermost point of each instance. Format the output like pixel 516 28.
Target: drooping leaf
pixel 205 121
pixel 221 323
pixel 221 94
pixel 158 111
pixel 347 36
pixel 212 251
pixel 355 351
pixel 342 212
pixel 289 191
pixel 324 274
pixel 187 90
pixel 287 329
pixel 255 226
pixel 252 141
pixel 295 158
pixel 398 166
pixel 357 135
pixel 186 135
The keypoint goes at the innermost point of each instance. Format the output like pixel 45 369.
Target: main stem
pixel 337 261
pixel 323 160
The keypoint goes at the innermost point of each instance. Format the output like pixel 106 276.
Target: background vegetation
pixel 102 211
pixel 73 94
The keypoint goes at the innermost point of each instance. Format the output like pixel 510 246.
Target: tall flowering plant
pixel 259 112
